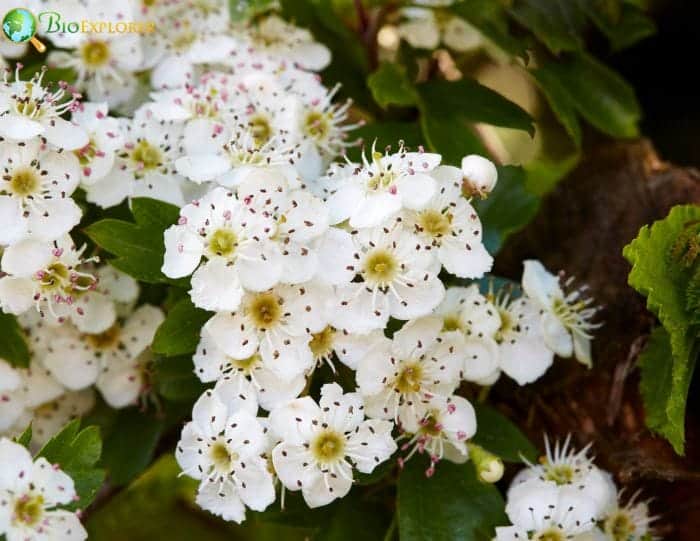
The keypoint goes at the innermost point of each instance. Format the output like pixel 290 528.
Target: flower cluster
pixel 567 496
pixel 33 494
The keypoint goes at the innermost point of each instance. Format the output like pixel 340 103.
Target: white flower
pixel 31 494
pixel 399 279
pixel 371 193
pixel 48 276
pixel 426 28
pixel 479 175
pixel 35 192
pixel 277 324
pixel 545 511
pixel 398 377
pixel 449 225
pixel 28 109
pixel 233 238
pixel 628 522
pixel 566 317
pixel 48 419
pixel 277 37
pixel 222 447
pixel 124 355
pixel 211 364
pixel 443 431
pixel 144 166
pixel 321 443
pixel 105 137
pixel 565 468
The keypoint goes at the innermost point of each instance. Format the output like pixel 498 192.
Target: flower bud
pixel 480 175
pixel 489 468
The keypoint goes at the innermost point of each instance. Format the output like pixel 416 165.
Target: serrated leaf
pixel 138 246
pixel 599 94
pixel 13 345
pixel 130 445
pixel 391 86
pixel 559 24
pixel 179 333
pixel 656 365
pixel 453 505
pixel 664 281
pixel 175 379
pixel 509 208
pixel 76 452
pixel 497 434
pixel 692 296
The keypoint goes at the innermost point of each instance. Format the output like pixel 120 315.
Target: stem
pixel 392 529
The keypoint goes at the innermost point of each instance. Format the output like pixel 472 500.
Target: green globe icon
pixel 19 25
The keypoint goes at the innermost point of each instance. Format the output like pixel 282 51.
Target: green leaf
pixel 175 379
pixel 354 518
pixel 490 19
pixel 509 208
pixel 692 302
pixel 557 23
pixel 139 246
pixel 450 506
pixel 625 27
pixel 76 452
pixel 664 281
pixel 560 102
pixel 497 434
pixel 656 365
pixel 179 333
pixel 25 438
pixel 472 102
pixel 384 134
pixel 13 345
pixel 599 94
pixel 242 10
pixel 391 86
pixel 450 136
pixel 130 445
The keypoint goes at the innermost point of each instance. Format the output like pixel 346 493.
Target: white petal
pixel 64 134
pixel 356 311
pixel 54 485
pixel 372 444
pixel 111 189
pixel 344 202
pixel 209 414
pixel 17 464
pixel 26 257
pixel 541 286
pixel 417 336
pixel 215 286
pixel 139 329
pixel 374 209
pixel 464 258
pixel 222 500
pixel 416 190
pixel 294 466
pixel 71 363
pixel 183 251
pixel 255 486
pixel 233 334
pixel 294 422
pixel 556 336
pixel 328 487
pixel 16 294
pixel 200 168
pixel 13 226
pixel 525 360
pixel 481 358
pixel 99 313
pixel 419 300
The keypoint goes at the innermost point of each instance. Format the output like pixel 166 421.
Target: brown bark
pixel 581 229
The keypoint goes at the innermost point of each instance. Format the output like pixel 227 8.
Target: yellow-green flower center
pixel 146 156
pixel 223 242
pixel 265 310
pixel 328 446
pixel 29 510
pixel 260 129
pixel 561 474
pixel 619 526
pixel 553 534
pixel 24 182
pixel 95 54
pixel 381 267
pixel 108 339
pixel 451 323
pixel 317 125
pixel 245 365
pixel 409 378
pixel 434 223
pixel 321 343
pixel 221 457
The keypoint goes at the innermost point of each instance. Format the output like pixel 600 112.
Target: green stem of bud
pixel 489 468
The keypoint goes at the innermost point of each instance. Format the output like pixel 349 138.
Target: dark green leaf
pixel 384 134
pixel 497 434
pixel 175 379
pixel 656 365
pixel 599 94
pixel 179 333
pixel 245 9
pixel 490 19
pixel 352 519
pixel 296 513
pixel 450 136
pixel 391 86
pixel 130 445
pixel 13 345
pixel 139 246
pixel 25 438
pixel 76 452
pixel 561 103
pixel 557 23
pixel 625 27
pixel 380 472
pixel 509 208
pixel 453 505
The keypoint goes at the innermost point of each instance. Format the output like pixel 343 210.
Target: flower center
pixel 434 223
pixel 105 340
pixel 321 343
pixel 86 154
pixel 507 325
pixel 146 156
pixel 552 534
pixel 223 242
pixel 561 474
pixel 95 53
pixel 317 125
pixel 329 446
pixel 381 267
pixel 27 104
pixel 430 425
pixel 245 365
pixel 619 526
pixel 409 379
pixel 265 310
pixel 29 509
pixel 260 129
pixel 451 323
pixel 56 275
pixel 24 182
pixel 221 457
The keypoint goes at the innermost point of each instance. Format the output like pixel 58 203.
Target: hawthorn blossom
pixel 566 317
pixel 322 442
pixel 222 447
pixel 424 28
pixel 233 239
pixel 32 493
pixel 629 521
pixel 29 109
pixel 105 137
pixel 35 191
pixel 479 175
